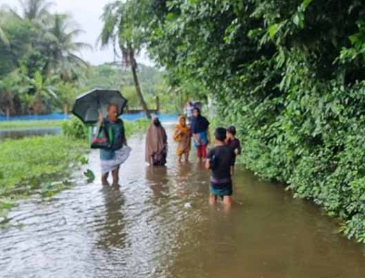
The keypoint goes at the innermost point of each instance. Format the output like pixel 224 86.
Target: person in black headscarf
pixel 200 131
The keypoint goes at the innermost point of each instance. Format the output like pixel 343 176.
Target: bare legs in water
pixel 227 200
pixel 115 175
pixel 186 157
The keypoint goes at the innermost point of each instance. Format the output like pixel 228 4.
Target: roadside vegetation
pixel 289 74
pixel 31 124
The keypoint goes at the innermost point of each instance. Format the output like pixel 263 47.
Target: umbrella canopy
pixel 88 106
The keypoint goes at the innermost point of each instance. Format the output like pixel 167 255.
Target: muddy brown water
pixel 159 224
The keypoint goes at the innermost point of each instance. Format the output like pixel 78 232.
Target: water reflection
pixel 112 231
pixel 157 181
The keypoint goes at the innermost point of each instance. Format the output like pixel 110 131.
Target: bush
pixel 74 128
pixel 290 75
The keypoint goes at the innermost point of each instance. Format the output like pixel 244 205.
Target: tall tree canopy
pixel 41 50
pixel 121 29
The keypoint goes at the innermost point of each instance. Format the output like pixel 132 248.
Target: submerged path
pixel 159 224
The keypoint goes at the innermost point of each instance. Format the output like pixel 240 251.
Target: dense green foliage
pixel 39 69
pixel 41 72
pixel 75 129
pixel 290 75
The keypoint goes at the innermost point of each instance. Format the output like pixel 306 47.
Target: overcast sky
pixel 87 14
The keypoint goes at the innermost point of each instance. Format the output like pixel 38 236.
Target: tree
pixel 43 90
pixel 34 10
pixel 66 95
pixel 62 48
pixel 8 92
pixel 120 28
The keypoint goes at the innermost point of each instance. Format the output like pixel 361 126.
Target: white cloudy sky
pixel 87 14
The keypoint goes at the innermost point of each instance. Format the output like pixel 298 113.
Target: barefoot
pixel 104 183
pixel 116 185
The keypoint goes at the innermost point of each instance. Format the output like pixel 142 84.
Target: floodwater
pixel 21 133
pixel 159 224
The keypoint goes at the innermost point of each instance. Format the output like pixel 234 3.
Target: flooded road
pixel 159 224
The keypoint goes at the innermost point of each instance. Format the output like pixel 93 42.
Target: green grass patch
pixel 136 126
pixel 31 124
pixel 35 163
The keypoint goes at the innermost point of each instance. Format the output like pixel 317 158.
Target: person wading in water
pixel 183 137
pixel 200 131
pixel 156 144
pixel 117 154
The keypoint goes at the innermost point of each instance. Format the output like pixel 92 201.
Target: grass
pixel 35 163
pixel 136 126
pixel 31 124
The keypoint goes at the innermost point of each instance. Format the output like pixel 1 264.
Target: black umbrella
pixel 88 106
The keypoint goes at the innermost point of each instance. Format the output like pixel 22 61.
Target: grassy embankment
pixel 44 164
pixel 31 124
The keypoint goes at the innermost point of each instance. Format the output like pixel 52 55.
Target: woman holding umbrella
pixel 117 154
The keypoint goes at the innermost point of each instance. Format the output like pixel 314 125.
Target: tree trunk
pixel 158 104
pixel 7 113
pixel 138 87
pixel 66 110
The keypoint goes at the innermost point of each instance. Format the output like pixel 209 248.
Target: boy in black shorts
pixel 220 160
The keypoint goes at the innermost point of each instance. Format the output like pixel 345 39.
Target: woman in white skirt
pixel 112 158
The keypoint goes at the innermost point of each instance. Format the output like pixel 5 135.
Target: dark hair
pixel 220 134
pixel 156 122
pixel 232 130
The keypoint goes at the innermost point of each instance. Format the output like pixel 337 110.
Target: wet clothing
pixel 116 134
pixel 119 157
pixel 235 145
pixel 202 150
pixel 182 135
pixel 199 124
pixel 199 127
pixel 112 158
pixel 221 160
pixel 225 190
pixel 156 145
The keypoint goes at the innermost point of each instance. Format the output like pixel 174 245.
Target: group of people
pixel 220 159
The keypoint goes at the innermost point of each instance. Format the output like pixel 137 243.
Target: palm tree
pixel 119 29
pixel 63 49
pixel 34 10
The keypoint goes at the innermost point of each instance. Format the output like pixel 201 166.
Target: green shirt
pixel 116 133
